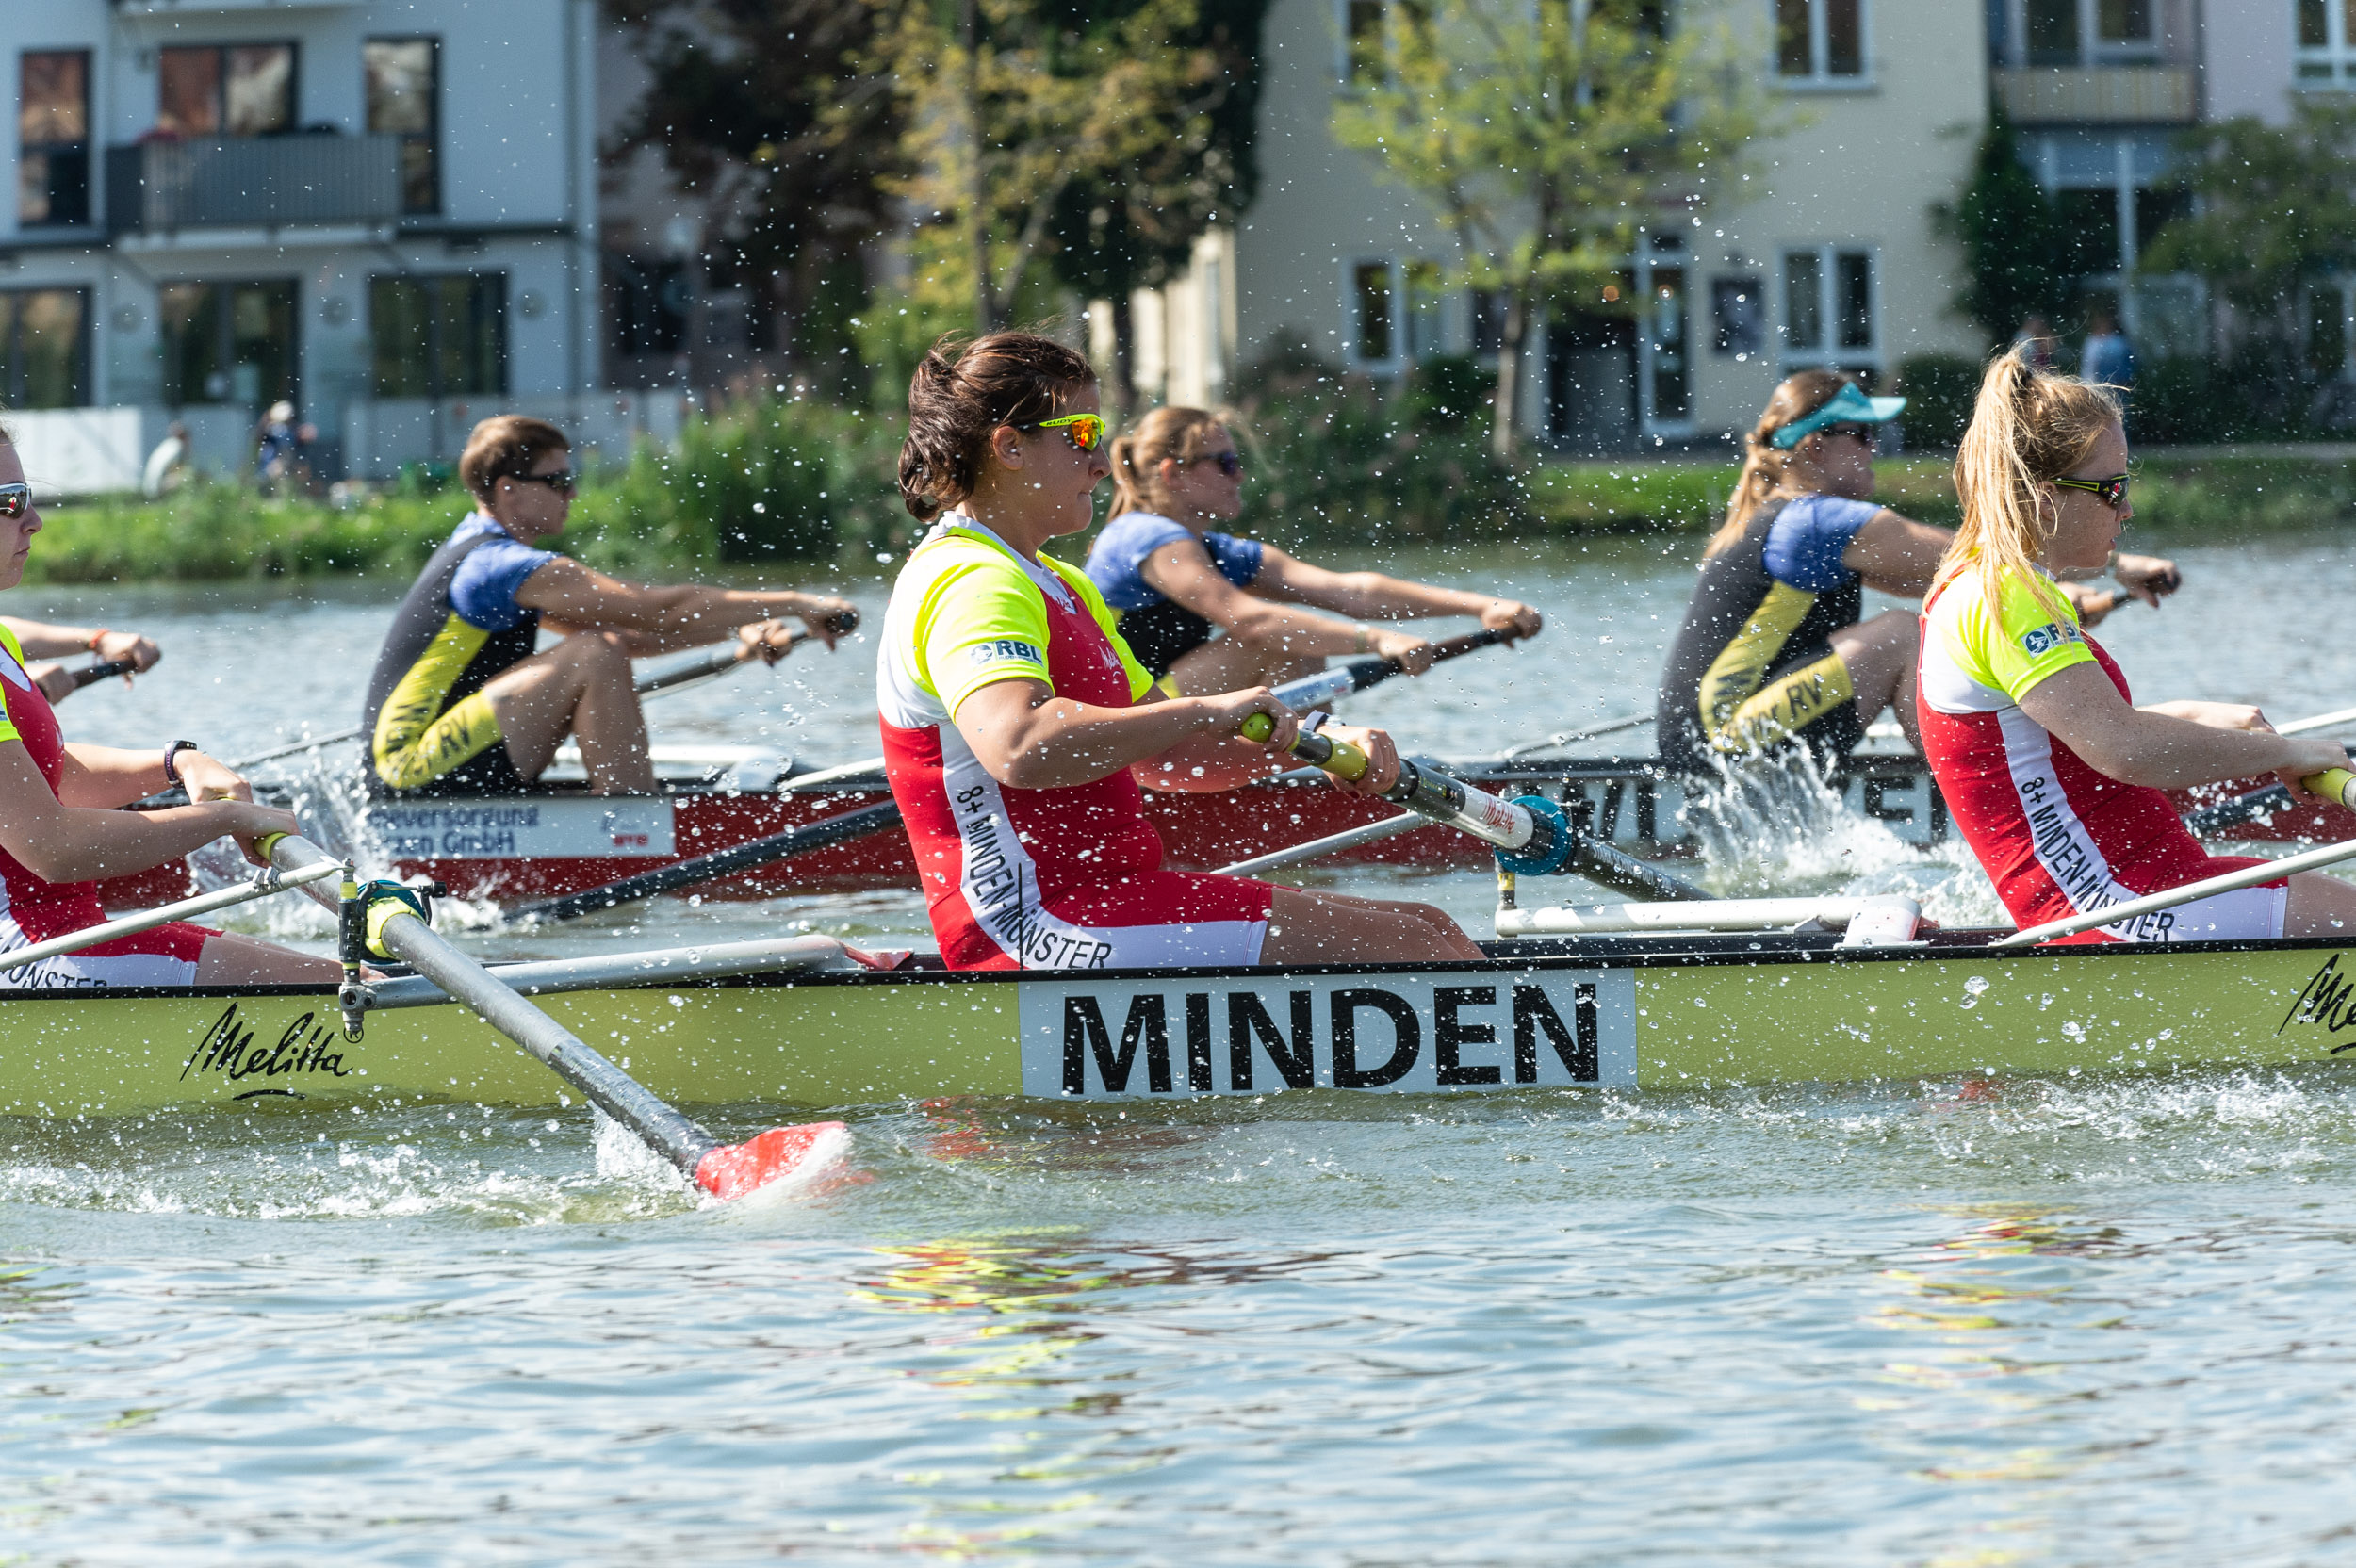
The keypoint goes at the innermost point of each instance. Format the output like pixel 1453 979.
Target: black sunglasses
pixel 15 499
pixel 1230 464
pixel 2113 491
pixel 560 481
pixel 1869 434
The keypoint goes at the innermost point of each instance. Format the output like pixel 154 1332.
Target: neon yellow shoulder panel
pixel 2017 644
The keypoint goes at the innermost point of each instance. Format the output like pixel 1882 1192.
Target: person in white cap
pixel 1774 650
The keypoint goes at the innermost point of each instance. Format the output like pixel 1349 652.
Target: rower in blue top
pixel 1175 580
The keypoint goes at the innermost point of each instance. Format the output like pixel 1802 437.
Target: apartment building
pixel 1838 259
pixel 382 211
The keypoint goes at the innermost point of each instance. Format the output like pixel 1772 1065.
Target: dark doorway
pixel 1591 383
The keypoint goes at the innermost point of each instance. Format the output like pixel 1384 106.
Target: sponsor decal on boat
pixel 1401 1034
pixel 230 1049
pixel 2326 1002
pixel 587 828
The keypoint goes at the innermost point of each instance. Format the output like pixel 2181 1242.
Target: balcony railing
pixel 2102 95
pixel 253 182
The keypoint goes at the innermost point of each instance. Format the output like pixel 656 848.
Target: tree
pixel 1547 133
pixel 1135 227
pixel 1013 106
pixel 760 106
pixel 2019 259
pixel 2275 213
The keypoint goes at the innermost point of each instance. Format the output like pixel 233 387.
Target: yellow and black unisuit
pixel 430 728
pixel 1753 665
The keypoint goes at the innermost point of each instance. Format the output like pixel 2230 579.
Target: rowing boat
pixel 799 1022
pixel 547 846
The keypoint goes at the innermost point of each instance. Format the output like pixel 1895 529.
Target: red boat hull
pixel 513 850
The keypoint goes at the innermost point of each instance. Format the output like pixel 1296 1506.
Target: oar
pixel 726 1170
pixel 1356 675
pixel 2333 784
pixel 689 671
pixel 1535 840
pixel 1571 737
pixel 90 675
pixel 1332 843
pixel 265 883
pixel 824 834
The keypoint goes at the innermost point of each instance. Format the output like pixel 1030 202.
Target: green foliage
pixel 1544 134
pixel 1339 457
pixel 2276 207
pixel 1940 391
pixel 2016 250
pixel 772 480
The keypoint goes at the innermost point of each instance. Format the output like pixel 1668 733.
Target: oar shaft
pixel 1332 843
pixel 602 1084
pixel 1356 675
pixel 823 834
pixel 267 885
pixel 90 675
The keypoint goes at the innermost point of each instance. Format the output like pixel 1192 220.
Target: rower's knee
pixel 597 655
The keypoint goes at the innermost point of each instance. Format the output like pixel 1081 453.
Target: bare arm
pixel 1897 555
pixel 1182 571
pixel 2164 750
pixel 75 843
pixel 1289 579
pixel 41 640
pixel 1027 737
pixel 572 597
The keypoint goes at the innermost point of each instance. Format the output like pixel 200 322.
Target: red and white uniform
pixel 1062 878
pixel 32 910
pixel 2057 838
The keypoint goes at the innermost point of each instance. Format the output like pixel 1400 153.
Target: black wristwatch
pixel 172 775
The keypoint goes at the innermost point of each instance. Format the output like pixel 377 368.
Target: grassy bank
pixel 747 506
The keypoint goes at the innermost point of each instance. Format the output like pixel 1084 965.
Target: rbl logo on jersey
pixel 1002 650
pixel 2045 639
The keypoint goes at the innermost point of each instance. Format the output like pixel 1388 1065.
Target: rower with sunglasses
pixel 1175 578
pixel 38 640
pixel 1774 651
pixel 460 704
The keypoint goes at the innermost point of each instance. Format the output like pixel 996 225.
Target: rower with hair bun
pixel 1018 728
pixel 1774 650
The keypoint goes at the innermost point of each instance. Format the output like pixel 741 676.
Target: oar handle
pixel 90 675
pixel 1338 757
pixel 2333 784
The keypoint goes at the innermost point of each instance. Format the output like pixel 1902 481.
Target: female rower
pixel 1018 727
pixel 37 640
pixel 2053 776
pixel 60 828
pixel 1774 649
pixel 1174 578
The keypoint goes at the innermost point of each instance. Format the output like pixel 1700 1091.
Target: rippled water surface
pixel 2087 1319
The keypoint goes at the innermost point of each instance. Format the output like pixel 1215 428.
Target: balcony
pixel 203 8
pixel 254 183
pixel 2103 95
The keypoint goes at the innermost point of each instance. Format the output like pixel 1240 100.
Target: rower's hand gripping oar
pixel 1532 835
pixel 389 921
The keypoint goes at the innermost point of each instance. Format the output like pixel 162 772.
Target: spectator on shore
pixel 281 457
pixel 167 466
pixel 2108 359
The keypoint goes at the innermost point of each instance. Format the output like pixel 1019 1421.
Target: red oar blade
pixel 778 1159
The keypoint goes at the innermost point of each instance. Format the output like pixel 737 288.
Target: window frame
pixel 1353 326
pixel 2331 66
pixel 2093 51
pixel 1829 351
pixel 432 136
pixel 83 353
pixel 224 344
pixel 294 84
pixel 84 147
pixel 1820 79
pixel 499 281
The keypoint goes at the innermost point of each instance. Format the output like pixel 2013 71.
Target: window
pixel 2071 33
pixel 2327 41
pixel 439 337
pixel 52 138
pixel 44 348
pixel 1362 41
pixel 1667 385
pixel 1829 310
pixel 1426 327
pixel 1488 321
pixel 228 343
pixel 1820 41
pixel 646 304
pixel 403 83
pixel 245 91
pixel 2330 342
pixel 1738 316
pixel 1372 313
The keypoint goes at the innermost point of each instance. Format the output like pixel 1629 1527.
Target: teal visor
pixel 1849 406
